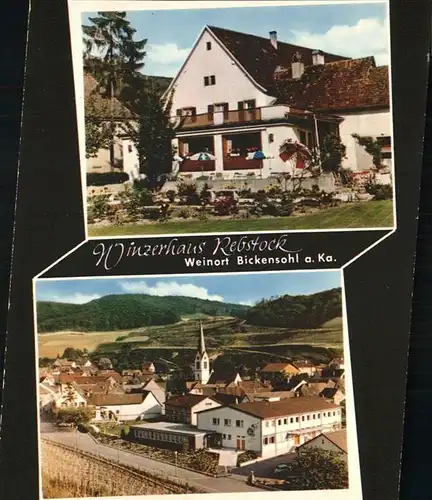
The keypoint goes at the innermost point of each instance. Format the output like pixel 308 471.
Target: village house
pixel 125 407
pixel 335 441
pixel 239 97
pixel 69 395
pixel 185 408
pixel 306 367
pixel 103 110
pixel 271 428
pixel 279 371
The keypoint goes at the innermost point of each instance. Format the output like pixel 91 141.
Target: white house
pixel 271 428
pixel 125 407
pixel 335 441
pixel 185 408
pixel 240 96
pixel 124 155
pixel 69 395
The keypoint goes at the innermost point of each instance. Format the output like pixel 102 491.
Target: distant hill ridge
pixel 120 312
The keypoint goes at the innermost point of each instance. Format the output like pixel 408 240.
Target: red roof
pixel 186 401
pixel 349 84
pixel 258 56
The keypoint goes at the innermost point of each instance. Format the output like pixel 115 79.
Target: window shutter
pixel 210 111
pixel 225 110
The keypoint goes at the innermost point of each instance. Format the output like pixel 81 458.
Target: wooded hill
pixel 299 311
pixel 120 312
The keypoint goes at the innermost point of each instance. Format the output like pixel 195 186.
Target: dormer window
pixel 208 45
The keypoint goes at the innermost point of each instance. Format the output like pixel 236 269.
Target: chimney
pixel 273 39
pixel 317 57
pixel 297 66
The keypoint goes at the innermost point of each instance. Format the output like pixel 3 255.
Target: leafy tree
pixel 371 146
pixel 114 58
pixel 317 469
pixel 74 416
pixel 332 152
pixel 71 353
pixel 155 133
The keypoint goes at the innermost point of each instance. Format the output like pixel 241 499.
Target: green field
pixel 358 215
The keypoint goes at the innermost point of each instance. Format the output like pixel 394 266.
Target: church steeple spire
pixel 201 343
pixel 202 361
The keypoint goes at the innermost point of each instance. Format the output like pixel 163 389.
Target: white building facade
pixel 223 106
pixel 243 428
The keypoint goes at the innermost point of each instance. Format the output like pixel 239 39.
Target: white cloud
pixel 76 298
pixel 247 302
pixel 165 59
pixel 366 38
pixel 162 289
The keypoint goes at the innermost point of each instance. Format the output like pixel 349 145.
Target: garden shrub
pixel 188 191
pixel 185 213
pixel 379 191
pixel 225 206
pixel 98 207
pixel 171 194
pixel 83 428
pixel 105 178
pixel 245 457
pixel 134 200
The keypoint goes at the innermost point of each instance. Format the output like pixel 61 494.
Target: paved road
pixel 231 484
pixel 265 468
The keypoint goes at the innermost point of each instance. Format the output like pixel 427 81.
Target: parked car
pixel 281 468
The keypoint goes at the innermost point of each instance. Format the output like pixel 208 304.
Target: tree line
pixel 300 311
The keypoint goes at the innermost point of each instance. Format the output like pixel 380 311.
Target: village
pixel 215 425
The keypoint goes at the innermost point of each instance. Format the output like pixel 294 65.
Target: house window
pixel 229 437
pixel 216 421
pixel 297 419
pixel 308 417
pixel 285 421
pixel 280 422
pixel 227 422
pixel 267 424
pixel 117 412
pixel 224 436
pixel 239 423
pixel 208 45
pixel 265 440
pixel 187 112
pixel 273 423
pixel 318 415
pixel 205 365
pixel 314 416
pixel 197 365
pixel 291 420
pixel 209 80
pixel 303 418
pixel 129 148
pixel 271 439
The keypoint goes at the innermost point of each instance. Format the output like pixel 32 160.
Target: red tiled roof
pixel 258 56
pixel 117 399
pixel 276 367
pixel 348 84
pixel 186 401
pixel 289 406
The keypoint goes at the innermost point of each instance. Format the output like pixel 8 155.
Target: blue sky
pixel 354 30
pixel 241 288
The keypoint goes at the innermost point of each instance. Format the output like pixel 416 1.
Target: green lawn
pixel 358 215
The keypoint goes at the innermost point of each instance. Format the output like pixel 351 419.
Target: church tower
pixel 202 362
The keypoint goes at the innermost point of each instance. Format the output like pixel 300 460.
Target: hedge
pixel 95 179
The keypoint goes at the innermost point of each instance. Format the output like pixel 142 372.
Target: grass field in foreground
pixel 357 215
